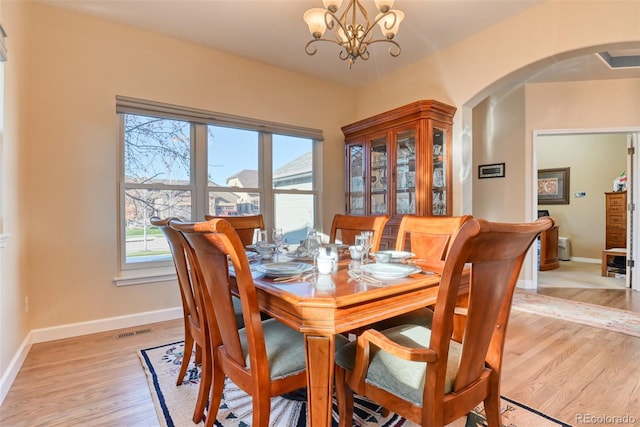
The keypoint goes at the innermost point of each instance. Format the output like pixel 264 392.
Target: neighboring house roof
pixel 247 178
pixel 299 165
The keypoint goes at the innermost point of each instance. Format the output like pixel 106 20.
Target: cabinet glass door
pixel 379 186
pixel 439 180
pixel 406 172
pixel 356 180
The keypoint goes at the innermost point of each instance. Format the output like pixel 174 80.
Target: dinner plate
pixel 283 269
pixel 252 256
pixel 253 247
pixel 389 271
pixel 396 255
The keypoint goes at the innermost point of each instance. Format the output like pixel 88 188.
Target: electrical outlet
pixel 579 194
pixel 26 304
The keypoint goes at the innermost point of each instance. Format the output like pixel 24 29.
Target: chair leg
pixel 217 387
pixel 344 397
pixel 203 390
pixel 492 410
pixel 186 357
pixel 261 409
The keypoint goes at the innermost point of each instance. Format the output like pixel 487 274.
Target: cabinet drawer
pixel 616 221
pixel 616 239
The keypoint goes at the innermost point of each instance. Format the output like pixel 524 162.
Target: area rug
pixel 174 404
pixel 597 316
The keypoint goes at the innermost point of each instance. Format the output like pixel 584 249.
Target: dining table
pixel 323 305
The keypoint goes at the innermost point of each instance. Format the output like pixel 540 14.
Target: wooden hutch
pixel 399 162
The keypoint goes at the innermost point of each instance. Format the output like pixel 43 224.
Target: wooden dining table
pixel 325 305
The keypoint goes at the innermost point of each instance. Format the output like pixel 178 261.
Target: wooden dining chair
pixel 419 371
pixel 349 226
pixel 195 332
pixel 428 237
pixel 245 226
pixel 265 358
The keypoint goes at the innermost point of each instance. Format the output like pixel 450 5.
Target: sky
pixel 233 150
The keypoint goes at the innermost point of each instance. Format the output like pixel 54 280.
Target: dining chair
pixel 428 237
pixel 245 226
pixel 195 332
pixel 265 358
pixel 419 371
pixel 349 226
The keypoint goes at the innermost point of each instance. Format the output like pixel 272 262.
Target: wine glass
pixel 313 246
pixel 278 239
pixel 367 244
pixel 361 245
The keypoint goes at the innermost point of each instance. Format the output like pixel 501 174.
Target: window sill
pixel 140 277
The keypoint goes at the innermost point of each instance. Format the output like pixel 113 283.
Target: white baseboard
pixel 76 329
pixel 589 260
pixel 14 367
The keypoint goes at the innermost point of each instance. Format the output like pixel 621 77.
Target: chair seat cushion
pixel 285 348
pixel 400 377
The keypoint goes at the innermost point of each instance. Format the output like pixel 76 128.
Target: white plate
pixel 252 256
pixel 253 247
pixel 396 255
pixel 283 269
pixel 389 271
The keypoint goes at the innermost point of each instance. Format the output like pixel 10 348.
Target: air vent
pixel 133 333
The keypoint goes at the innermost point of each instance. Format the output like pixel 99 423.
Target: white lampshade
pixel 332 5
pixel 384 5
pixel 388 20
pixel 315 20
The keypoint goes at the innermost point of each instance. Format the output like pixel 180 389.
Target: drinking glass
pixel 367 243
pixel 361 245
pixel 313 245
pixel 278 239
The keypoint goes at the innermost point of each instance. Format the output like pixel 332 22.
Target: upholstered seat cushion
pixel 285 348
pixel 400 377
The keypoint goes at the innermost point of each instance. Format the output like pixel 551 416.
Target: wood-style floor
pixel 560 368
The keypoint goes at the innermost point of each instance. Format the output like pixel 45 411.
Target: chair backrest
pixel 214 243
pixel 245 226
pixel 350 226
pixel 428 237
pixel 496 252
pixel 179 248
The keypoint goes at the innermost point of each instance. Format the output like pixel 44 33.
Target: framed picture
pixel 553 186
pixel 495 170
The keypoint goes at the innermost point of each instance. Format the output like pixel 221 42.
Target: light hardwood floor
pixel 560 368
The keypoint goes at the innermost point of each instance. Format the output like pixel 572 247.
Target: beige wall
pixel 594 161
pixel 64 187
pixel 73 146
pixel 498 136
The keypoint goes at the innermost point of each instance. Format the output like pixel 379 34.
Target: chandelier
pixel 353 36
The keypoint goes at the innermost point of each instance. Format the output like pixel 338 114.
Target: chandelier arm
pixel 393 53
pixel 313 52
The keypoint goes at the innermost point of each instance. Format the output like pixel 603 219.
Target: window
pixel 186 163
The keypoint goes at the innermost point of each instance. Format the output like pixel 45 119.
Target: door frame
pixel 633 185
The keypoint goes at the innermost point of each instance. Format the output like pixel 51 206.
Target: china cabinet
pixel 399 162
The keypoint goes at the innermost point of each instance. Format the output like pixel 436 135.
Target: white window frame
pixel 155 271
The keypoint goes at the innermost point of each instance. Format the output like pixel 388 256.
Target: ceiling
pixel 246 28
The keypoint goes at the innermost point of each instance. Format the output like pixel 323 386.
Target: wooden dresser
pixel 549 249
pixel 616 220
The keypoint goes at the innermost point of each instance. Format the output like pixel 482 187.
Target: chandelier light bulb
pixel 316 22
pixel 390 23
pixel 384 5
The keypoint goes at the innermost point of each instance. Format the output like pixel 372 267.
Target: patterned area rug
pixel 597 316
pixel 174 404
